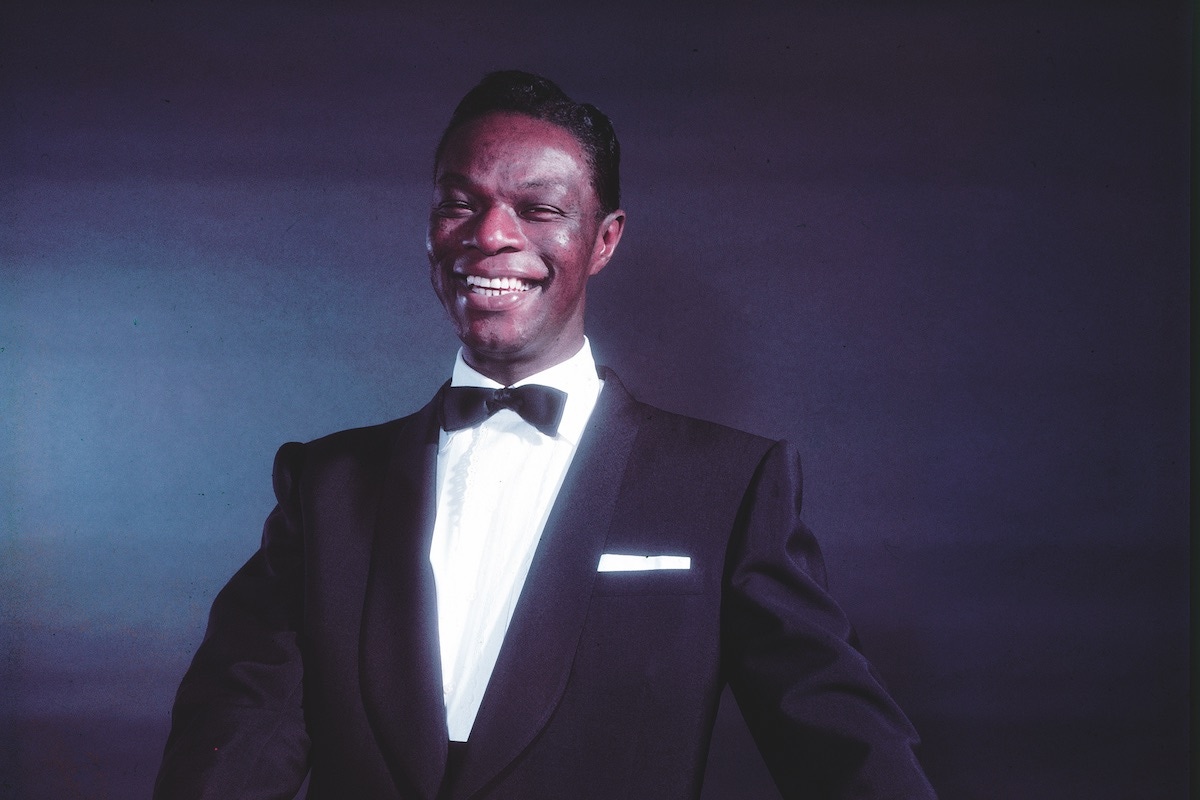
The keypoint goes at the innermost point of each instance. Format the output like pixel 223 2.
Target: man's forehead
pixel 508 131
pixel 525 162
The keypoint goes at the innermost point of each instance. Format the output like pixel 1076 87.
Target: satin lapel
pixel 400 661
pixel 539 648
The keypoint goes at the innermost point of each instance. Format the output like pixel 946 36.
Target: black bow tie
pixel 540 406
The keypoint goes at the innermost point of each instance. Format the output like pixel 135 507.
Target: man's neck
pixel 509 372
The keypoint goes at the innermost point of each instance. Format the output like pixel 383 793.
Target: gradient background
pixel 943 247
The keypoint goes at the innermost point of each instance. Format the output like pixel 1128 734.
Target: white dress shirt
pixel 496 483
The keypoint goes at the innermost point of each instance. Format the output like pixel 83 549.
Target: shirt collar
pixel 576 376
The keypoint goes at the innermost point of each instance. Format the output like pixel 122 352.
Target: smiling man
pixel 535 586
pixel 516 231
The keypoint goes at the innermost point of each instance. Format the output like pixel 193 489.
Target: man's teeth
pixel 491 287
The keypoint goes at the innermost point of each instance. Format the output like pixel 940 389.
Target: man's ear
pixel 607 239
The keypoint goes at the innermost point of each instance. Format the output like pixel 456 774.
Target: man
pixel 535 586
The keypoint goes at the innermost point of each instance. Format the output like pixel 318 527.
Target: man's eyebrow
pixel 535 184
pixel 459 179
pixel 452 177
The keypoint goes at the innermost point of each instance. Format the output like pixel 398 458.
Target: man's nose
pixel 496 229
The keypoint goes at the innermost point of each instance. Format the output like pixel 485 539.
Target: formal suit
pixel 324 647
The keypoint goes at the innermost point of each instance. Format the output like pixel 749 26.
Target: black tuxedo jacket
pixel 322 650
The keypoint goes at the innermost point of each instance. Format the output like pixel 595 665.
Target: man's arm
pixel 237 725
pixel 823 721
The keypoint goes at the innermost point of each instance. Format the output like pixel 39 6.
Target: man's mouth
pixel 494 287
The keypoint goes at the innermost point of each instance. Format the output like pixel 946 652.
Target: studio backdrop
pixel 942 247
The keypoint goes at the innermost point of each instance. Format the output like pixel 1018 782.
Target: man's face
pixel 514 235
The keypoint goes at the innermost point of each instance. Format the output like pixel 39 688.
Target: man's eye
pixel 452 208
pixel 541 213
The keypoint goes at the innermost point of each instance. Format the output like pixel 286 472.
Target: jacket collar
pixel 535 661
pixel 400 657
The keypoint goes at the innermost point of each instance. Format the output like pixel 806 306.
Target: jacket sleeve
pixel 825 725
pixel 237 727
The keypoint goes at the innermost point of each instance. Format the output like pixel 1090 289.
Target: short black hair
pixel 541 98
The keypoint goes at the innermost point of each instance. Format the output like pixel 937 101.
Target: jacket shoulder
pixel 698 438
pixel 367 447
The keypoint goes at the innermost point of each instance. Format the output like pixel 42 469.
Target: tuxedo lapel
pixel 400 660
pixel 539 648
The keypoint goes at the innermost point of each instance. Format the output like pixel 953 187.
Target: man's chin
pixel 494 350
pixel 508 362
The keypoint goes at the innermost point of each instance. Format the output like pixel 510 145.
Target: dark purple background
pixel 943 248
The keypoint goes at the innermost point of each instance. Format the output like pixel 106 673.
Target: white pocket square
pixel 614 562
